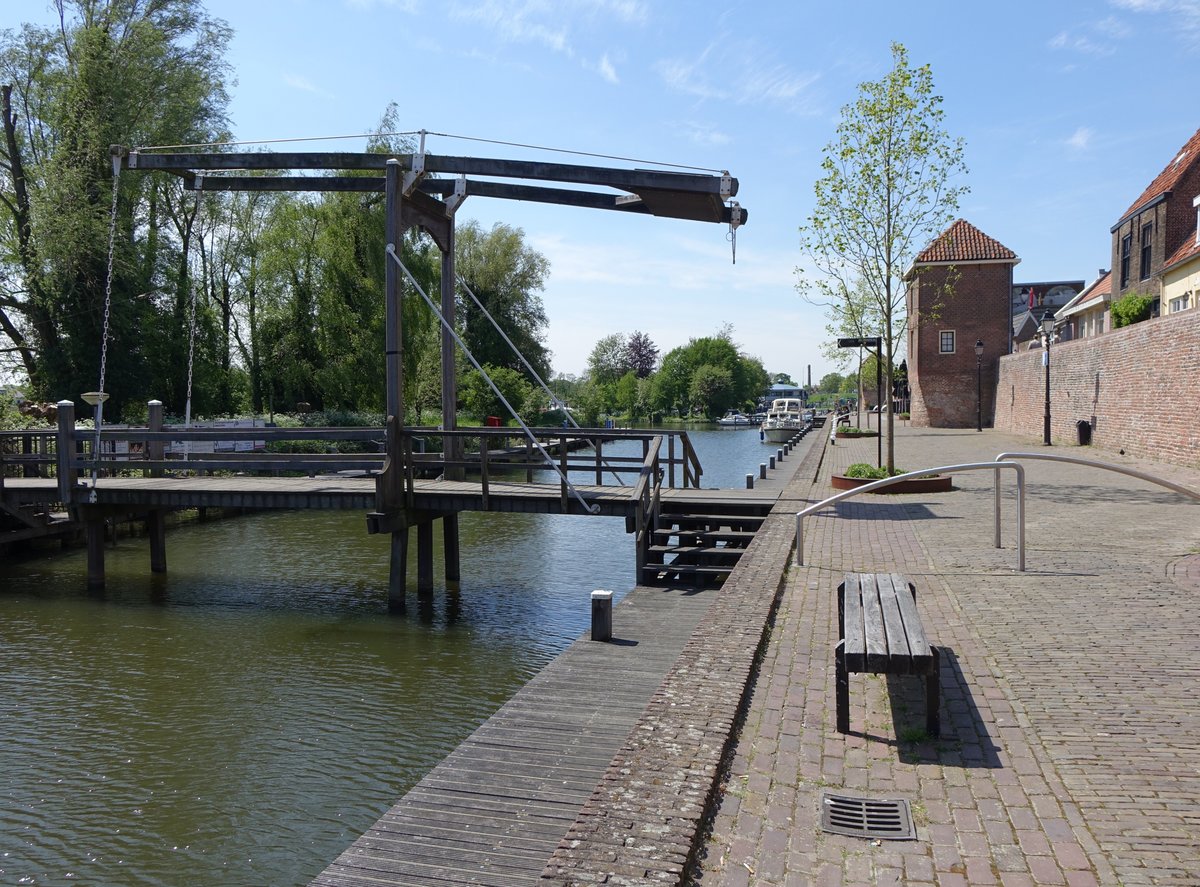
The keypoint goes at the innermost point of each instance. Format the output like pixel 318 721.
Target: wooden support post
pixel 749 481
pixel 452 446
pixel 154 449
pixel 156 529
pixel 602 604
pixel 95 552
pixel 65 453
pixel 772 461
pixel 393 292
pixel 450 548
pixel 762 470
pixel 398 571
pixel 425 559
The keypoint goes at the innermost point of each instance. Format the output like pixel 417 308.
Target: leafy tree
pixel 507 277
pixel 782 379
pixel 108 72
pixel 888 187
pixel 711 390
pixel 1131 308
pixel 609 360
pixel 641 354
pixel 480 401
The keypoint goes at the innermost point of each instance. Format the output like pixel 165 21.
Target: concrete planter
pixel 938 483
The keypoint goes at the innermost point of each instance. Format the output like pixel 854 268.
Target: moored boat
pixel 784 420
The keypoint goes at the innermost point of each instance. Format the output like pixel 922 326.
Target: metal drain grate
pixel 867 818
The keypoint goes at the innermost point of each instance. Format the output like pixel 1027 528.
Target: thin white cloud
pixel 1081 139
pixel 606 69
pixel 703 133
pixel 295 81
pixel 409 6
pixel 741 73
pixel 1184 15
pixel 1081 43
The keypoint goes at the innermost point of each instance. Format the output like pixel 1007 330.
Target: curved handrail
pixel 924 472
pixel 1090 463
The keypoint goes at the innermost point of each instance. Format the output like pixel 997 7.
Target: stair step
pixel 743 536
pixel 705 572
pixel 719 520
pixel 697 549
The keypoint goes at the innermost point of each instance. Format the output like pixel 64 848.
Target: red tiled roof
pixel 1169 177
pixel 1187 250
pixel 1102 287
pixel 963 242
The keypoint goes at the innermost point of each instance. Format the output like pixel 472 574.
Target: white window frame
pixel 942 339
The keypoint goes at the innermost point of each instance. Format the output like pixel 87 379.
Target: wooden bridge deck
pixel 493 812
pixel 339 492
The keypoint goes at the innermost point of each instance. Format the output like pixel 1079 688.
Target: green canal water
pixel 242 719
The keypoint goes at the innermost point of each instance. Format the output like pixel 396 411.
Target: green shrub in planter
pixel 866 471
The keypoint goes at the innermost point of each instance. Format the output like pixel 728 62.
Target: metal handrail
pixel 1091 463
pixel 924 472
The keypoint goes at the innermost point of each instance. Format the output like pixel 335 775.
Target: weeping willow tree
pixel 107 72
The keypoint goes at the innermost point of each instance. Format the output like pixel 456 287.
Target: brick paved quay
pixel 1070 747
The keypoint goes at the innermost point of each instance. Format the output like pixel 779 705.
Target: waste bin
pixel 1084 430
pixel 492 422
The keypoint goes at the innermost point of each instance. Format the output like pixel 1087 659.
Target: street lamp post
pixel 979 385
pixel 875 342
pixel 1047 336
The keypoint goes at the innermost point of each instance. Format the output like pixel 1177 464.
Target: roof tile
pixel 963 242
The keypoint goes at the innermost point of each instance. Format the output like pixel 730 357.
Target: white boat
pixel 785 420
pixel 735 419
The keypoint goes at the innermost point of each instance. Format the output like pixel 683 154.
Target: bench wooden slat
pixel 922 656
pixel 856 645
pixel 878 654
pixel 899 658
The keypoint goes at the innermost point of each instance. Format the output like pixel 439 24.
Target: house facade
pixel 1156 226
pixel 1181 272
pixel 960 294
pixel 1087 314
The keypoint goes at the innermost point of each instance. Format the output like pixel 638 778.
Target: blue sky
pixel 1068 110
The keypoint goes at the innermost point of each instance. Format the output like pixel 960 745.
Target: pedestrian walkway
pixel 1070 746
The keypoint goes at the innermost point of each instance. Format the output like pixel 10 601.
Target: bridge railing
pixel 148 451
pixel 647 493
pixel 27 453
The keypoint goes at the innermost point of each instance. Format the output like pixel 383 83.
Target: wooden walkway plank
pixel 493 812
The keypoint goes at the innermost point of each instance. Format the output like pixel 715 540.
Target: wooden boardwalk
pixel 493 812
pixel 341 492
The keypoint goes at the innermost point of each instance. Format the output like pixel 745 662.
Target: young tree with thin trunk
pixel 889 186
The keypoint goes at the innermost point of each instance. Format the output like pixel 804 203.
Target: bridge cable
pixel 528 366
pixel 391 251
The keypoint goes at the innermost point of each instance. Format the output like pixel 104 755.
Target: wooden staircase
pixel 702 544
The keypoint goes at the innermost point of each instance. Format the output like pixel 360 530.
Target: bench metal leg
pixel 842 688
pixel 933 695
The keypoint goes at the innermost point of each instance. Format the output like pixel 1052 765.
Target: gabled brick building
pixel 959 293
pixel 1156 225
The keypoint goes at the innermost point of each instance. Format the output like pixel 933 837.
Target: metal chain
pixel 112 245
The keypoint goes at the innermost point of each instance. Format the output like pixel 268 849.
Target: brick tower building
pixel 959 294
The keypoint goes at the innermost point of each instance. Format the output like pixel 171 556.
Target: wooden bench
pixel 881 633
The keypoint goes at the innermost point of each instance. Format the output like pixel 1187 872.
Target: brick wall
pixel 944 385
pixel 1136 386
